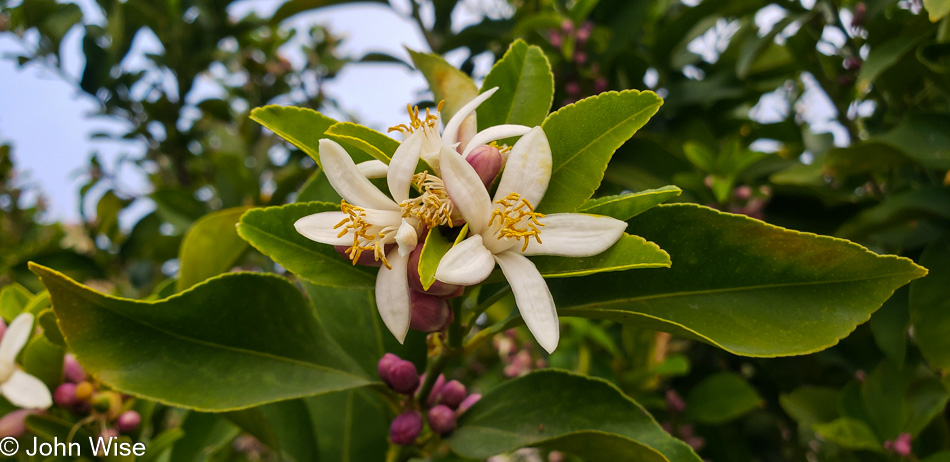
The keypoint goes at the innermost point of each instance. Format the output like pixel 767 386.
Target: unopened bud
pixel 72 370
pixel 572 88
pixel 405 428
pixel 385 364
pixel 403 377
pixel 436 390
pixel 674 403
pixel 860 13
pixel 600 85
pixel 901 445
pixel 442 419
pixel 65 395
pixel 84 391
pixel 437 288
pixel 486 160
pixel 429 313
pixel 14 423
pixel 583 32
pixel 128 421
pixel 452 394
pixel 580 57
pixel 468 402
pixel 742 192
pixel 107 402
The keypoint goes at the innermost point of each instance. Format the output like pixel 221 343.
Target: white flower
pixel 20 388
pixel 507 228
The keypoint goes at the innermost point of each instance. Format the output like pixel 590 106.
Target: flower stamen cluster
pixel 514 211
pixel 363 239
pixel 416 122
pixel 432 207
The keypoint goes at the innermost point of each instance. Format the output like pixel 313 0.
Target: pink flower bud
pixel 567 26
pixel 901 445
pixel 743 192
pixel 583 33
pixel 555 38
pixel 385 364
pixel 436 390
pixel 674 403
pixel 442 419
pixel 452 394
pixel 65 395
pixel 128 421
pixel 72 370
pixel 405 428
pixel 429 313
pixel 572 88
pixel 486 160
pixel 468 402
pixel 14 423
pixel 440 289
pixel 600 85
pixel 580 58
pixel 403 377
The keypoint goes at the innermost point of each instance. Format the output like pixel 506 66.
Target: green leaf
pixel 889 326
pixel 211 247
pixel 849 433
pixel 13 298
pixel 584 136
pixel 739 283
pixel 560 410
pixel 883 57
pixel 373 143
pixel 446 82
pixel 435 247
pixel 234 341
pixel 271 231
pixel 628 205
pixel 49 427
pixel 317 189
pixel 629 252
pixel 44 360
pixel 205 435
pixel 287 427
pixel 293 7
pixel 359 428
pixel 809 405
pixel 928 203
pixel 937 9
pixel 301 127
pixel 525 88
pixel 720 398
pixel 930 306
pixel 924 138
pixel 161 443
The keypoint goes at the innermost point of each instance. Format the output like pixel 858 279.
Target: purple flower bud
pixel 567 26
pixel 487 163
pixel 14 423
pixel 600 85
pixel 436 390
pixel 468 402
pixel 901 445
pixel 405 428
pixel 583 33
pixel 572 88
pixel 442 419
pixel 580 58
pixel 674 403
pixel 403 377
pixel 128 421
pixel 743 192
pixel 440 289
pixel 385 364
pixel 72 370
pixel 65 395
pixel 429 313
pixel 452 394
pixel 555 38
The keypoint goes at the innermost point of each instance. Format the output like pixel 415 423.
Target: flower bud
pixel 84 391
pixel 573 88
pixel 900 446
pixel 405 428
pixel 385 364
pixel 486 160
pixel 674 403
pixel 468 402
pixel 438 288
pixel 452 394
pixel 429 313
pixel 72 370
pixel 442 419
pixel 600 85
pixel 14 423
pixel 128 421
pixel 65 395
pixel 436 390
pixel 403 377
pixel 107 402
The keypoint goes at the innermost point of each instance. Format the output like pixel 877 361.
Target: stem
pixel 484 306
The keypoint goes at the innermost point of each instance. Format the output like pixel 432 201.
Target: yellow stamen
pixel 363 239
pixel 518 219
pixel 501 148
pixel 415 122
pixel 432 207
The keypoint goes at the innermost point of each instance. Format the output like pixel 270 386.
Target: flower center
pixel 366 236
pixel 517 219
pixel 432 207
pixel 416 122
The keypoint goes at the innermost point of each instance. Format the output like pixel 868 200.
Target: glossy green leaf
pixel 446 82
pixel 560 410
pixel 628 253
pixel 928 202
pixel 739 284
pixel 13 298
pixel 525 88
pixel 317 189
pixel 889 326
pixel 160 444
pixel 301 127
pixel 434 248
pixel 271 231
pixel 235 341
pixel 810 405
pixel 210 247
pixel 937 9
pixel 930 306
pixel 286 427
pixel 373 143
pixel 47 320
pixel 883 57
pixel 205 435
pixel 44 360
pixel 628 205
pixel 924 138
pixel 584 136
pixel 359 428
pixel 720 398
pixel 849 433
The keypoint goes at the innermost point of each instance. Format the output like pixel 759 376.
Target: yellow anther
pixel 518 219
pixel 432 207
pixel 415 122
pixel 501 148
pixel 363 238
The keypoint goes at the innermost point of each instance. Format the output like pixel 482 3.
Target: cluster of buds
pixel 446 401
pixel 518 357
pixel 575 42
pixel 82 396
pixel 749 201
pixel 900 445
pixel 675 407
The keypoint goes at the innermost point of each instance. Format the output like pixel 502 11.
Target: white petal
pixel 451 132
pixel 533 298
pixel 498 132
pixel 466 264
pixel 319 227
pixel 576 235
pixel 467 130
pixel 18 332
pixel 392 295
pixel 528 168
pixel 26 391
pixel 406 237
pixel 403 166
pixel 373 168
pixel 347 180
pixel 466 190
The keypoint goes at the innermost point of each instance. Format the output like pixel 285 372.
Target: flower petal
pixel 392 295
pixel 26 391
pixel 403 166
pixel 466 190
pixel 466 264
pixel 576 235
pixel 451 132
pixel 16 335
pixel 347 180
pixel 498 132
pixel 373 168
pixel 533 298
pixel 319 227
pixel 406 237
pixel 528 168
